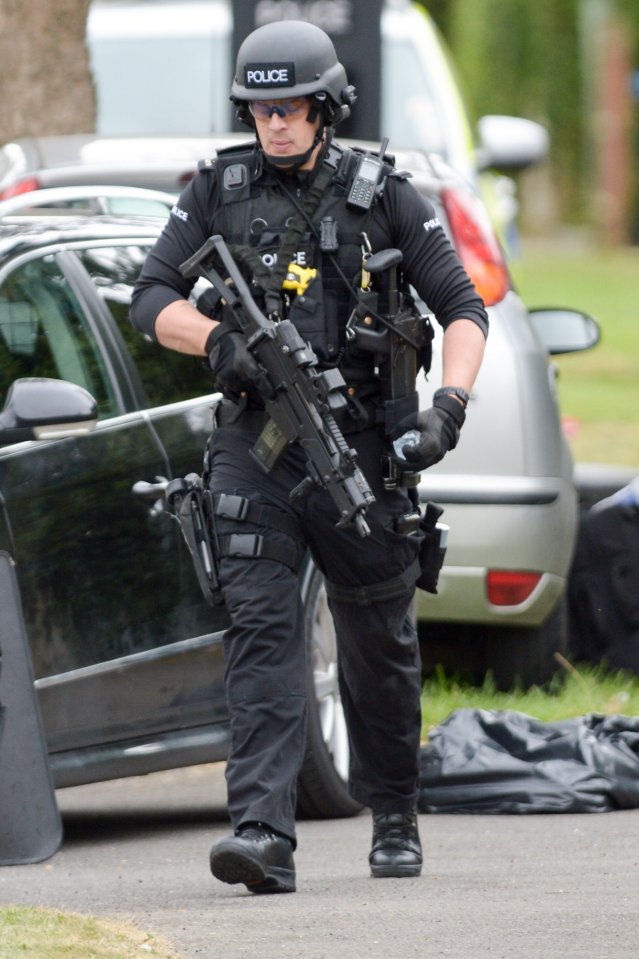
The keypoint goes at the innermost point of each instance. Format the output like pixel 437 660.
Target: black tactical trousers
pixel 370 584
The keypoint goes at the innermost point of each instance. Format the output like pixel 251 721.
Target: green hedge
pixel 521 57
pixel 525 57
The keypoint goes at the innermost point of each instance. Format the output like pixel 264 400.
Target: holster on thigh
pixel 251 544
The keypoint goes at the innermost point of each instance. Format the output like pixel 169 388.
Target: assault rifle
pixel 303 398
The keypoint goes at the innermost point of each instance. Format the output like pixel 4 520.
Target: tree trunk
pixel 45 86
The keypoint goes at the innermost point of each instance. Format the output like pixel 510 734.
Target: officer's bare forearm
pixel 462 354
pixel 180 327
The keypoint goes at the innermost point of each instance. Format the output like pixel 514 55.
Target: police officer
pixel 284 198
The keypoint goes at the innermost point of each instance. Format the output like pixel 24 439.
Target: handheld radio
pixel 366 179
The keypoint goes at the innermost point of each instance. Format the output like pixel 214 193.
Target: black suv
pixel 127 654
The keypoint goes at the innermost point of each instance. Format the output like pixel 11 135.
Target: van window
pixel 169 72
pixel 160 68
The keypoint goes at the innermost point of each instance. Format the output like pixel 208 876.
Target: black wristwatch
pixel 457 391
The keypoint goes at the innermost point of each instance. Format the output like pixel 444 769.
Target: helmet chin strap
pixel 295 161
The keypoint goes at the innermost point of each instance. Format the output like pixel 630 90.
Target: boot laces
pixel 397 829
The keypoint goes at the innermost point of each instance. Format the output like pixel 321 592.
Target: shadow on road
pixel 106 825
pixel 144 806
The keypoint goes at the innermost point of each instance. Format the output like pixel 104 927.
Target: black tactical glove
pixel 235 369
pixel 438 430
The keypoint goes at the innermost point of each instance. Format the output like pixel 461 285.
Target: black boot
pixel 256 856
pixel 396 851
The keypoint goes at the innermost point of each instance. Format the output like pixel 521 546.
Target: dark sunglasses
pixel 264 109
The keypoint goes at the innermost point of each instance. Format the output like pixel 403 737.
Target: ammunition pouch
pixel 193 507
pixel 314 314
pixel 433 548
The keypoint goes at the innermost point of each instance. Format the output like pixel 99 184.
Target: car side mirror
pixel 564 331
pixel 510 144
pixel 42 408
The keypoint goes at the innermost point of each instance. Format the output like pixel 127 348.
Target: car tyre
pixel 322 790
pixel 526 656
pixel 511 655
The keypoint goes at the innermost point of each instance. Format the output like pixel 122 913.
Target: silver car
pixel 508 489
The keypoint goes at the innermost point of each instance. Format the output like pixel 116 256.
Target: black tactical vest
pixel 257 206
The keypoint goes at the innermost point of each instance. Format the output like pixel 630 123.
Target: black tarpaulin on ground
pixel 501 761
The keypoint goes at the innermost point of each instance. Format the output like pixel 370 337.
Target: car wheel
pixel 322 791
pixel 512 655
pixel 526 656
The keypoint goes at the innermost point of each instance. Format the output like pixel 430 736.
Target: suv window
pixel 44 332
pixel 167 377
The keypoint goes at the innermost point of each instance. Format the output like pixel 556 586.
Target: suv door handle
pixel 154 491
pixel 150 490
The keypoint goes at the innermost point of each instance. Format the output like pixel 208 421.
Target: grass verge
pixel 576 692
pixel 598 389
pixel 31 932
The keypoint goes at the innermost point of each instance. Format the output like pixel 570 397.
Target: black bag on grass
pixel 502 761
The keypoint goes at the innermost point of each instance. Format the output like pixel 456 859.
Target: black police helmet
pixel 291 58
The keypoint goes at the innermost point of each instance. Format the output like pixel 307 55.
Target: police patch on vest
pixel 264 75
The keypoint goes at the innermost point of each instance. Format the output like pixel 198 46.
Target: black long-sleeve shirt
pixel 402 218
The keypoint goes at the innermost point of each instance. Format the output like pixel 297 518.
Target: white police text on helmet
pixel 269 75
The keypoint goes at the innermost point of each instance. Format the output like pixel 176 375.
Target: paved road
pixel 494 887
